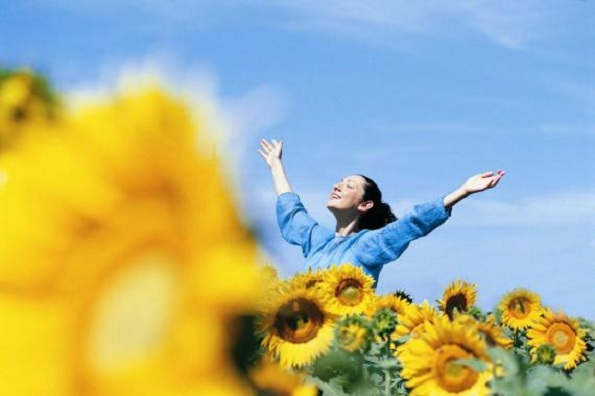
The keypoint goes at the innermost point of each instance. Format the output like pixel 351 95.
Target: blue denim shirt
pixel 369 249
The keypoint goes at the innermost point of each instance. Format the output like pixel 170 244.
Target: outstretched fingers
pixel 497 178
pixel 486 174
pixel 266 146
pixel 270 151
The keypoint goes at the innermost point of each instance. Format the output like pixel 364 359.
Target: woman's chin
pixel 332 205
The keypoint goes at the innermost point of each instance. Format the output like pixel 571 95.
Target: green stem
pixel 387 370
pixel 387 383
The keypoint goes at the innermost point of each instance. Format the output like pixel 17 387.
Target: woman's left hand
pixel 483 181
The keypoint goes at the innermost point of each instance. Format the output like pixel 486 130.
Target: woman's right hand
pixel 271 152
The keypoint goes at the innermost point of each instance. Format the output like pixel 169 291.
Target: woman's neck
pixel 346 226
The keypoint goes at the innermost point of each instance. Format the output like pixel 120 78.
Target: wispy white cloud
pixel 570 128
pixel 556 209
pixel 511 24
pixel 234 120
pixel 249 116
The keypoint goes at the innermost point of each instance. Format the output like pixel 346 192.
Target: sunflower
pixel 520 308
pixel 384 323
pixel 353 333
pixel 459 296
pixel 308 279
pixel 431 362
pixel 346 289
pixel 117 263
pixel 411 323
pixel 296 327
pixel 490 331
pixel 561 332
pixel 403 295
pixel 393 302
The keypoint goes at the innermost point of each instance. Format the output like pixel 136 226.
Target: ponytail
pixel 380 214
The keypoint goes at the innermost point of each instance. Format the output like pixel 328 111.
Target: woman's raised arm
pixel 272 152
pixel 474 184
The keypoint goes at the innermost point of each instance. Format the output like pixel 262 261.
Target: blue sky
pixel 417 95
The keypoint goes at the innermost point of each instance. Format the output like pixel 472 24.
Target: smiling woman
pixel 367 233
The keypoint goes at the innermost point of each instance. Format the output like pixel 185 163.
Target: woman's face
pixel 347 194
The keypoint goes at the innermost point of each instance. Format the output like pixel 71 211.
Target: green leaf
pixel 327 388
pixel 388 364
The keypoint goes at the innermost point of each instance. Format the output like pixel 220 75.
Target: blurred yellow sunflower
pixel 307 279
pixel 268 378
pixel 411 323
pixel 459 296
pixel 490 331
pixel 432 362
pixel 494 334
pixel 297 327
pixel 353 333
pixel 520 308
pixel 122 257
pixel 393 302
pixel 269 273
pixel 346 289
pixel 561 332
pixel 269 282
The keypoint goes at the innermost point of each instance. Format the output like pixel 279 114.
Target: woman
pixel 367 233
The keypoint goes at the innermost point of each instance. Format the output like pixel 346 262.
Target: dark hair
pixel 380 214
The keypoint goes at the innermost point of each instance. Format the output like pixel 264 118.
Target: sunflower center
pixel 562 337
pixel 299 320
pixel 349 292
pixel 451 375
pixel 519 308
pixel 458 302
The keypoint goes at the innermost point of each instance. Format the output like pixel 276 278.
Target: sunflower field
pixel 125 269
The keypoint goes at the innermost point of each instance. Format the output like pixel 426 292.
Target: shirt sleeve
pixel 296 225
pixel 386 244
